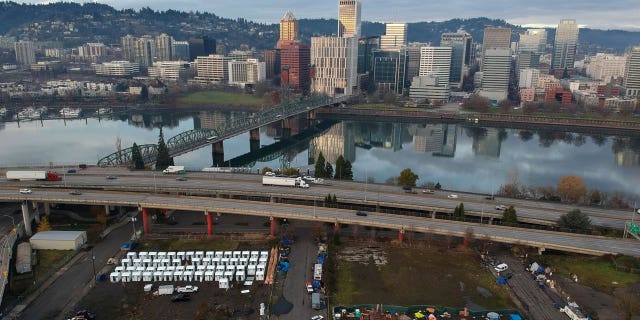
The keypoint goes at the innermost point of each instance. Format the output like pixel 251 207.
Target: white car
pixel 269 173
pixel 25 191
pixel 501 267
pixel 501 207
pixel 317 317
pixel 187 289
pixel 452 196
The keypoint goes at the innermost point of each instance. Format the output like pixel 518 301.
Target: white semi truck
pixel 284 181
pixel 174 169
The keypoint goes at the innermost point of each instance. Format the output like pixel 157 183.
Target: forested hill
pixel 73 24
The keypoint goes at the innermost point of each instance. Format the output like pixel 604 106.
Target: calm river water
pixel 459 157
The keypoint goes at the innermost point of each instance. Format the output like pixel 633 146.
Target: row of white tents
pixel 200 266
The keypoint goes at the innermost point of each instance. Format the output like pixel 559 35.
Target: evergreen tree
pixel 163 159
pixel 348 171
pixel 319 168
pixel 328 170
pixel 339 168
pixel 509 217
pixel 458 212
pixel 334 200
pixel 136 157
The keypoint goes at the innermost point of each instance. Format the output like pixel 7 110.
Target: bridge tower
pixel 217 152
pixel 254 140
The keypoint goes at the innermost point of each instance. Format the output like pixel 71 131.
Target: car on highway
pixel 501 267
pixel 361 213
pixel 428 191
pixel 271 174
pixel 490 197
pixel 25 191
pixel 182 179
pixel 501 207
pixel 452 196
pixel 180 297
pixel 75 192
pixel 71 171
pixel 111 177
pixel 187 289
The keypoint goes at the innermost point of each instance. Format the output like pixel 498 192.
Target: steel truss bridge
pixel 197 138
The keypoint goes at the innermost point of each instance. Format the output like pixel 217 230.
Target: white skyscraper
pixel 436 61
pixel 335 62
pixel 533 40
pixel 495 74
pixel 606 66
pixel 632 74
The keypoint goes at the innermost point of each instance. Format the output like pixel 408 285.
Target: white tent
pixel 126 276
pixel 199 276
pixel 219 275
pixel 167 276
pixel 240 275
pixel 157 276
pixel 114 276
pixel 260 275
pixel 209 275
pixel 224 283
pixel 147 276
pixel 136 276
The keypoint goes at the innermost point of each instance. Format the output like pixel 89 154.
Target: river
pixel 456 156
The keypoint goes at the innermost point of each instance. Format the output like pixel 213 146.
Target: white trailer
pixel 174 169
pixel 284 181
pixel 165 289
pixel 33 175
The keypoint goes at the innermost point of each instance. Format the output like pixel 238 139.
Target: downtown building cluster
pixel 526 67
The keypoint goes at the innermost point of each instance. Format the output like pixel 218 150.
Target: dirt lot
pixel 129 301
pixel 414 276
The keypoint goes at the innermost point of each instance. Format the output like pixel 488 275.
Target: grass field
pixel 221 98
pixel 418 277
pixel 597 273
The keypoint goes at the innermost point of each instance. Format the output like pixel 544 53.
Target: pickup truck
pixel 187 289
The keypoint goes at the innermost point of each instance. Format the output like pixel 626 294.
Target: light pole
pixel 366 180
pixel 133 224
pixel 155 185
pixel 93 264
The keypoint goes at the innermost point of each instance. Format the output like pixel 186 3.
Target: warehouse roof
pixel 58 235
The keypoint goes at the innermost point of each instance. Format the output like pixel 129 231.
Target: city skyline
pixel 590 13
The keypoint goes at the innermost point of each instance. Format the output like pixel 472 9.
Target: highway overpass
pixel 541 239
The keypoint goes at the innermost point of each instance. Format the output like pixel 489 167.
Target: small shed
pixel 58 240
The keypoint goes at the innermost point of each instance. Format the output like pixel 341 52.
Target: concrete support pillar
pixel 106 210
pixel 209 223
pixel 217 153
pixel 254 134
pixel 311 116
pixel 36 211
pixel 273 199
pixel 47 209
pixel 400 235
pixel 541 250
pixel 491 220
pixel 26 218
pixel 272 220
pixel 336 228
pixel 433 214
pixel 145 221
pixel 254 146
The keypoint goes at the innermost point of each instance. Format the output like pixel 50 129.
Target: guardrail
pixel 6 254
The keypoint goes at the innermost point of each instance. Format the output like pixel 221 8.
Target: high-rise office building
pixel 565 45
pixel 460 43
pixel 496 64
pixel 288 28
pixel 436 61
pixel 201 46
pixel 250 71
pixel 533 40
pixel 128 43
pixel 395 36
pixel 164 47
pixel 271 58
pixel 603 66
pixel 366 47
pixel 529 78
pixel 349 18
pixel 295 59
pixel 25 53
pixel 390 70
pixel 413 59
pixel 334 60
pixel 632 73
pixel 496 37
pixel 144 50
pixel 212 68
pixel 180 50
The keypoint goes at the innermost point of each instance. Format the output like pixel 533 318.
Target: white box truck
pixel 174 169
pixel 33 175
pixel 284 181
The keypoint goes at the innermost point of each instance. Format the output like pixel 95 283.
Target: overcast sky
pixel 612 14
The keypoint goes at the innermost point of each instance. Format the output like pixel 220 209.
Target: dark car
pixel 75 192
pixel 71 171
pixel 84 314
pixel 180 297
pixel 182 179
pixel 361 213
pixel 406 188
pixel 490 197
pixel 111 177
